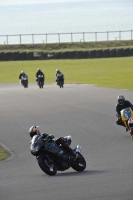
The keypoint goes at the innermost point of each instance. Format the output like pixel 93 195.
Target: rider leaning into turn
pixel 22 74
pixel 58 72
pixel 39 72
pixel 34 130
pixel 122 103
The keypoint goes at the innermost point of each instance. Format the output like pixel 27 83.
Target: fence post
pixel 20 39
pixel 7 39
pixel 71 38
pixel 107 36
pixel 59 38
pixel 119 35
pixel 32 38
pixel 83 37
pixel 46 38
pixel 95 36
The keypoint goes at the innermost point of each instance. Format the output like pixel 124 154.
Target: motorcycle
pixel 40 81
pixel 49 160
pixel 24 81
pixel 126 114
pixel 60 80
pixel 60 83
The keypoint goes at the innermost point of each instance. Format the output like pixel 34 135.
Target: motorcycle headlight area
pixel 127 115
pixel 36 149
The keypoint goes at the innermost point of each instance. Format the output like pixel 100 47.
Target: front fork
pixel 78 150
pixel 126 125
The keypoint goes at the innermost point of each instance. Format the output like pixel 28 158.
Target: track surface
pixel 86 112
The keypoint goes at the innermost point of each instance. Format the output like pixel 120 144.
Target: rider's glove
pixel 64 139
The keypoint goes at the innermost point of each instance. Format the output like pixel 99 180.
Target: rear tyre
pixel 62 84
pixel 79 164
pixel 48 168
pixel 39 84
pixel 24 85
pixel 42 84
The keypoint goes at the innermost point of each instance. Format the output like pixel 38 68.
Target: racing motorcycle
pixel 40 81
pixel 60 80
pixel 60 83
pixel 24 81
pixel 48 160
pixel 126 114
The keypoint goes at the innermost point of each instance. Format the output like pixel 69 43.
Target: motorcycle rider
pixel 34 130
pixel 23 74
pixel 59 74
pixel 39 72
pixel 122 103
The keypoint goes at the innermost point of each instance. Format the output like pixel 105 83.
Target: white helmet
pixel 121 99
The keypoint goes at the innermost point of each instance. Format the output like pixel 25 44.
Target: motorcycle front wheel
pixel 79 164
pixel 62 84
pixel 47 166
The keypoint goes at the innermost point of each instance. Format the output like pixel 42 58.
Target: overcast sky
pixel 29 1
pixel 11 2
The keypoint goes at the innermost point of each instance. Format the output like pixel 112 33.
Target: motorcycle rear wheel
pixel 41 84
pixel 79 164
pixel 48 168
pixel 61 84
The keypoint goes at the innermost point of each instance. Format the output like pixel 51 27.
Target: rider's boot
pixel 126 129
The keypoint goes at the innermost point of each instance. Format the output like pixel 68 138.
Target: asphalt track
pixel 86 112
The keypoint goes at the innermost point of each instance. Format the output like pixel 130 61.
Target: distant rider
pixel 122 104
pixel 59 76
pixel 22 74
pixel 34 130
pixel 39 72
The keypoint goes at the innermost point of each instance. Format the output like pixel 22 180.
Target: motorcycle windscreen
pixel 126 113
pixel 36 144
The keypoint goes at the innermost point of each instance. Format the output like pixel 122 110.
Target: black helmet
pixel 121 99
pixel 34 130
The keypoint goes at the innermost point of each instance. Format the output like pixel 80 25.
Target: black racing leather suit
pixel 121 107
pixel 39 73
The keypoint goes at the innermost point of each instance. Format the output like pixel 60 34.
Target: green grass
pixel 3 154
pixel 56 47
pixel 106 72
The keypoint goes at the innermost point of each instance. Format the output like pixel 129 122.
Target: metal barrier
pixel 46 38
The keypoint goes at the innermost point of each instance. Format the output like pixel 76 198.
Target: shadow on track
pixel 83 173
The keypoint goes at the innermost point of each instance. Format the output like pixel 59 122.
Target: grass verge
pixel 105 72
pixel 3 154
pixel 77 46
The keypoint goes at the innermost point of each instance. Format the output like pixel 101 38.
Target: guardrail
pixel 46 38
